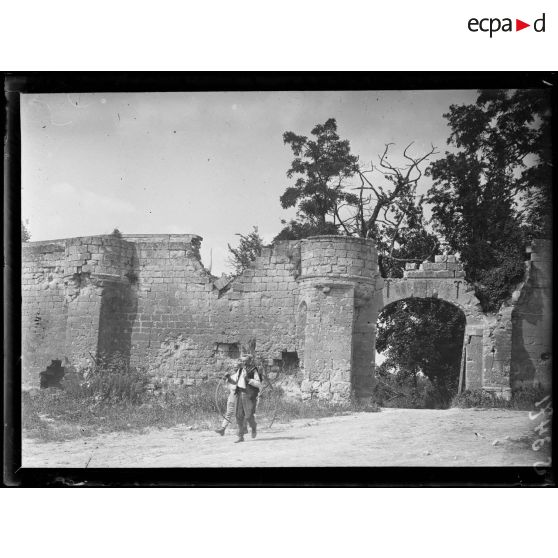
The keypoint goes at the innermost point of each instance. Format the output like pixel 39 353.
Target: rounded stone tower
pixel 335 316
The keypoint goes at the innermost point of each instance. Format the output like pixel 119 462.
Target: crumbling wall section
pixel 531 351
pixel 63 283
pixel 189 326
pixel 97 274
pixel 168 317
pixel 149 300
pixel 260 306
pixel 497 353
pixel 43 309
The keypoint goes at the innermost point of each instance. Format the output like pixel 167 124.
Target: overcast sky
pixel 212 164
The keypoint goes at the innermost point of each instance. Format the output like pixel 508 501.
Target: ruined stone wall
pixel 307 308
pixel 188 325
pixel 147 300
pixel 531 317
pixel 168 314
pixel 64 288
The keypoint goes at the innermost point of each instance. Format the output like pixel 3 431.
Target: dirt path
pixel 394 437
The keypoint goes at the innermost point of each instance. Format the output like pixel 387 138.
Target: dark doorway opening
pixel 52 376
pixel 288 363
pixel 420 346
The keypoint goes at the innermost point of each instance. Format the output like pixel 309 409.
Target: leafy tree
pixel 248 249
pixel 25 234
pixel 321 166
pixel 492 194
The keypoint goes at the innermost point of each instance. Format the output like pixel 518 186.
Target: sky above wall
pixel 211 164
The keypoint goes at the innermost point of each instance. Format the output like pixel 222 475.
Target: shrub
pixel 108 378
pixel 477 398
pixel 193 401
pixel 365 406
pixel 399 390
pixel 523 398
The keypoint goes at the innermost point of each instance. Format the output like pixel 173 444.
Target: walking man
pixel 248 384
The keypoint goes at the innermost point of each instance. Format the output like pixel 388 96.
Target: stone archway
pixel 444 279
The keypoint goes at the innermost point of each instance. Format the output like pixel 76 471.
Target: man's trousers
pixel 245 412
pixel 231 410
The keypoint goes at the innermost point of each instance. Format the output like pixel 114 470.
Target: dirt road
pixel 393 437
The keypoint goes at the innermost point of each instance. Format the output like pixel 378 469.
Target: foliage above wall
pixel 249 248
pixel 491 194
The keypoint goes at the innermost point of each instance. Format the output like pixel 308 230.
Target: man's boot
pixel 254 431
pixel 239 439
pixel 220 431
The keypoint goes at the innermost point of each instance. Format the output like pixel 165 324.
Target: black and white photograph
pixel 287 278
pixel 294 257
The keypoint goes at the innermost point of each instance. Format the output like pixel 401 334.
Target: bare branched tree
pixel 379 210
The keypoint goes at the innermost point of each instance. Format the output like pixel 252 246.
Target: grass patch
pixel 56 415
pixel 523 399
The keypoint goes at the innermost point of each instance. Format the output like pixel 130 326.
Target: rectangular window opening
pixel 227 350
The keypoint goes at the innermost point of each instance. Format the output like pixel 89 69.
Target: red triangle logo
pixel 519 25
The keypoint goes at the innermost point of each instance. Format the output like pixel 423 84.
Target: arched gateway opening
pixel 420 353
pixel 443 281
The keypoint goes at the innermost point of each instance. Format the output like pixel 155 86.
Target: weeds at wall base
pixel 56 415
pixel 522 399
